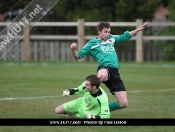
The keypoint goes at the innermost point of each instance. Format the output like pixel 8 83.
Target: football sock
pixel 114 106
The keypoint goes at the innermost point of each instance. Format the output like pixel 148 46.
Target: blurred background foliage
pixel 99 10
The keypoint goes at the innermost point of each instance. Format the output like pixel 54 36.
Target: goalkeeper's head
pixel 94 80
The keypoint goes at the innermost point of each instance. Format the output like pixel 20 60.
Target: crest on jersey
pixel 88 100
pixel 110 41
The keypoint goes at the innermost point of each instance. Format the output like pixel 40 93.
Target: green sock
pixel 114 106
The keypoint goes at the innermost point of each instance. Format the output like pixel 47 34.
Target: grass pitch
pixel 34 89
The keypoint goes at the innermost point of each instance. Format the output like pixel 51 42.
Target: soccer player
pixel 102 50
pixel 92 105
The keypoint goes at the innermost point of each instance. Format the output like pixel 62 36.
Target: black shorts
pixel 114 82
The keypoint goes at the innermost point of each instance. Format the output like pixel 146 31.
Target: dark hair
pixel 102 25
pixel 94 80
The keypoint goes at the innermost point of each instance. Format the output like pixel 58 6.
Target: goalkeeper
pixel 92 105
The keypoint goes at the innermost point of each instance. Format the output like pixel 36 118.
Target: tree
pixel 92 10
pixel 11 8
pixel 101 10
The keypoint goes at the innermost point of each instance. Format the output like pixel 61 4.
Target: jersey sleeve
pixel 104 113
pixel 122 38
pixel 84 51
pixel 78 90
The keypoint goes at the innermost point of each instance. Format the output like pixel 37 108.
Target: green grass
pixel 150 89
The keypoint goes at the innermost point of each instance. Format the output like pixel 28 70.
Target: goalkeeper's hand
pixel 90 116
pixel 66 92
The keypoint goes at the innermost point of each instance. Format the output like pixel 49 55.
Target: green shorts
pixel 75 107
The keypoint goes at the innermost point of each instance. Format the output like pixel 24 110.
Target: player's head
pixel 92 82
pixel 103 29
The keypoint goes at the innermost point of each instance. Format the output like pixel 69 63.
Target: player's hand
pixel 73 46
pixel 66 92
pixel 142 26
pixel 90 116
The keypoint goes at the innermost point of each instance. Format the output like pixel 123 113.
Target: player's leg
pixel 117 88
pixel 103 74
pixel 60 110
pixel 122 101
pixel 70 107
pixel 122 98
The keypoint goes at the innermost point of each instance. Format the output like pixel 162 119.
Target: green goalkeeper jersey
pixel 96 105
pixel 104 51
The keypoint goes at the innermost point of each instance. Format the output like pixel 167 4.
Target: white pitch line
pixel 134 91
pixel 159 90
pixel 27 98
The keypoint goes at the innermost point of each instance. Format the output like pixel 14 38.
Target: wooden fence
pixel 57 47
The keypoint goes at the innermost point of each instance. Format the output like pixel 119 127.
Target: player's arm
pixel 134 32
pixel 82 52
pixel 104 111
pixel 122 38
pixel 128 35
pixel 78 90
pixel 71 91
pixel 90 116
pixel 74 50
pixel 104 114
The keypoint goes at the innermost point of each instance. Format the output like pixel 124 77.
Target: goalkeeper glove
pixel 90 116
pixel 66 92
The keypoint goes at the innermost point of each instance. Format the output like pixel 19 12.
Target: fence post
pixel 139 42
pixel 81 37
pixel 26 40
